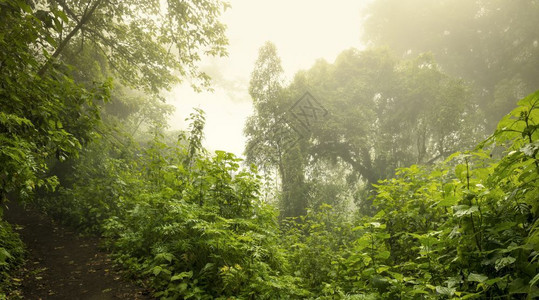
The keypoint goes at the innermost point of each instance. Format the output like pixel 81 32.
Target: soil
pixel 62 264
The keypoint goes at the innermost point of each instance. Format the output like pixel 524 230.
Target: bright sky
pixel 302 30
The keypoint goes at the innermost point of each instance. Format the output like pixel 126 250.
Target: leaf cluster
pixel 462 229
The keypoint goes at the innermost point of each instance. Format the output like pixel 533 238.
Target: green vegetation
pixel 492 44
pixel 190 221
pixel 463 229
pixel 398 193
pixel 194 224
pixel 64 64
pixel 11 255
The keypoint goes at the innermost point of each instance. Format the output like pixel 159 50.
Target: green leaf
pixel 61 15
pixel 182 275
pixel 383 255
pixel 360 227
pixel 534 280
pixel 382 268
pixel 383 235
pixel 470 296
pixel 51 41
pixel 463 210
pixel 450 200
pixel 397 276
pixel 494 280
pixel 453 156
pixel 418 291
pixel 504 262
pixel 503 226
pixel 4 255
pixel 445 290
pixel 25 7
pixel 165 256
pixel 518 286
pixel 477 277
pixel 461 172
pixel 157 270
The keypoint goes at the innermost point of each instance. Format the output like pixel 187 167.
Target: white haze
pixel 303 32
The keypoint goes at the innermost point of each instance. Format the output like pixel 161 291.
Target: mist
pixel 206 149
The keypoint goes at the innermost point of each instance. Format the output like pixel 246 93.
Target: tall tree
pixel 386 113
pixel 494 44
pixel 271 141
pixel 146 43
pixel 49 110
pixel 42 117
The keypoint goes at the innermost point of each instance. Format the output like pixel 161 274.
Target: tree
pixel 50 110
pixel 272 142
pixel 385 113
pixel 492 44
pixel 146 43
pixel 42 117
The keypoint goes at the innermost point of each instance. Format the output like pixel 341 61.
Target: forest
pixel 405 170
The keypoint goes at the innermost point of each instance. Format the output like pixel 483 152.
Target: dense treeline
pixel 492 44
pixel 382 114
pixel 465 228
pixel 69 71
pixel 194 224
pixel 397 191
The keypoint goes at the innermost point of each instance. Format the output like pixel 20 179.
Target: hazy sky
pixel 302 30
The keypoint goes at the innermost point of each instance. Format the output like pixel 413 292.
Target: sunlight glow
pixel 303 32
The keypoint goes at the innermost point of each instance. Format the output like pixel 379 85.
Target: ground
pixel 62 264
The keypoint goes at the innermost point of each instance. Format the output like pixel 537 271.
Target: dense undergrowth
pixel 11 255
pixel 190 221
pixel 194 224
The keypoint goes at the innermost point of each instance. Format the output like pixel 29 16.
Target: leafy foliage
pixel 191 222
pixel 491 44
pixel 42 118
pixel 383 114
pixel 386 114
pixel 269 134
pixel 51 110
pixel 466 228
pixel 194 224
pixel 11 255
pixel 146 44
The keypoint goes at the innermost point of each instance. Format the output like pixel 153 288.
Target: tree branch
pixel 85 18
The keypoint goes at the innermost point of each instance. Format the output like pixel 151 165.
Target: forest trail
pixel 60 264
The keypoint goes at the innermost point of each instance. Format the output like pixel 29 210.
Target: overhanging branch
pixel 80 23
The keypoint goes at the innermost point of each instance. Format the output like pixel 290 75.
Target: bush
pixel 11 255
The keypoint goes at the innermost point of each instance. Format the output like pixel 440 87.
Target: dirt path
pixel 63 265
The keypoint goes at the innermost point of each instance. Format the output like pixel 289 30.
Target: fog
pixel 381 149
pixel 303 31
